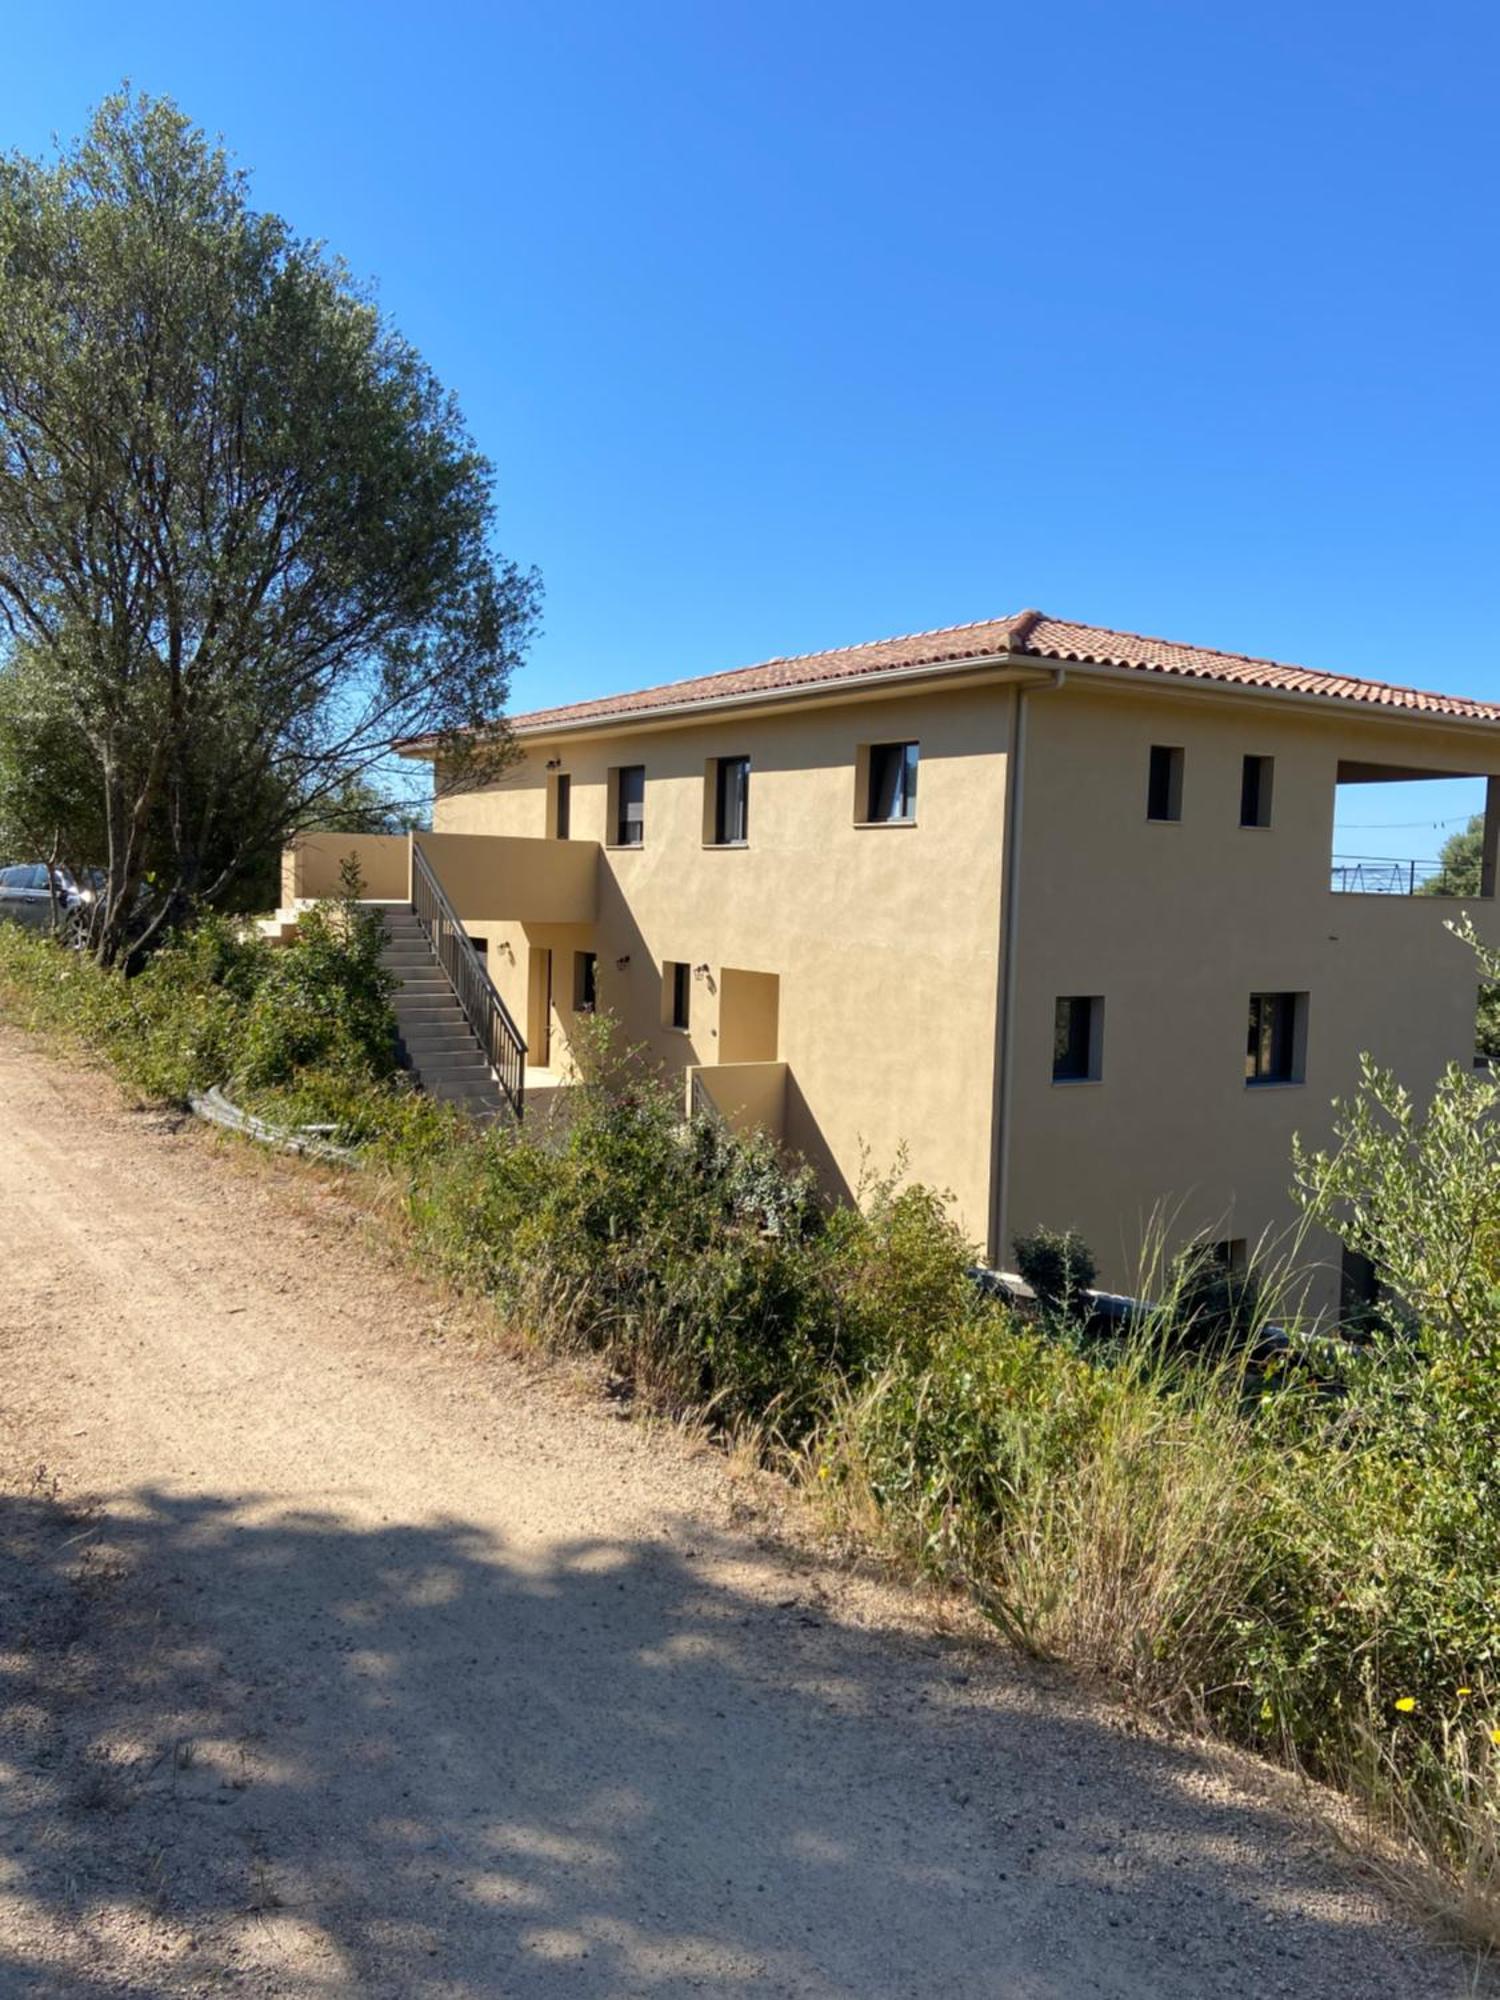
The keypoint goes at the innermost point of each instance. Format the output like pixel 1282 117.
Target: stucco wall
pixel 310 866
pixel 749 1096
pixel 1176 925
pixel 885 939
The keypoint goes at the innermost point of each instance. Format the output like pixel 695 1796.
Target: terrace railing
pixel 483 1009
pixel 1381 875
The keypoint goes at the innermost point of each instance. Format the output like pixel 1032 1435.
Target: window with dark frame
pixel 1273 1050
pixel 1359 1286
pixel 562 827
pixel 682 993
pixel 1255 791
pixel 1233 1253
pixel 732 802
pixel 1078 1039
pixel 630 805
pixel 1164 783
pixel 585 982
pixel 893 783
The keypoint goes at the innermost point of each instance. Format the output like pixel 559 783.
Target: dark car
pixel 27 897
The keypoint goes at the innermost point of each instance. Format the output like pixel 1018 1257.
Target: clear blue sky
pixel 793 325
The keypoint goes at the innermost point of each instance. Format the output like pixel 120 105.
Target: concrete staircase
pixel 437 1044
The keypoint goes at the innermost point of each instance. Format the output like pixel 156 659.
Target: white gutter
pixel 1005 1024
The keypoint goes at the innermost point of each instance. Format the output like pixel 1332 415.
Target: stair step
pixel 467 1100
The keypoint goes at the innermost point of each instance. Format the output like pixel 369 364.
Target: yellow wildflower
pixel 1495 1736
pixel 1406 1704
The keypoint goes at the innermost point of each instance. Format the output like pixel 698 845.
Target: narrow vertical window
pixel 1078 1039
pixel 679 993
pixel 630 805
pixel 585 982
pixel 732 801
pixel 893 782
pixel 1255 791
pixel 1164 783
pixel 562 807
pixel 1275 1050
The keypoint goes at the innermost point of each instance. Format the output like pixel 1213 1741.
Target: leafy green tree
pixel 245 538
pixel 1460 860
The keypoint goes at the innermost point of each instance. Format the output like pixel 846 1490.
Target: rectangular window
pixel 1255 791
pixel 1275 1051
pixel 1164 783
pixel 732 801
pixel 893 782
pixel 1078 1039
pixel 630 805
pixel 1233 1254
pixel 585 976
pixel 679 984
pixel 562 806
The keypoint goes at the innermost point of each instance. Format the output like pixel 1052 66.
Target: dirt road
pixel 385 1666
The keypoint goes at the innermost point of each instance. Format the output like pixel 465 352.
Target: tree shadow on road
pixel 290 1753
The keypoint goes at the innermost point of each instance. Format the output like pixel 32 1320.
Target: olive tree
pixel 245 538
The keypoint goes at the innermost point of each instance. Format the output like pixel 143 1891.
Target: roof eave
pixel 854 686
pixel 1007 664
pixel 1118 674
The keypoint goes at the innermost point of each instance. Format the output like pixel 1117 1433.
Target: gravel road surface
pixel 343 1655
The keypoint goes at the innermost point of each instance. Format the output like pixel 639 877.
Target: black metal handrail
pixel 483 1009
pixel 1383 875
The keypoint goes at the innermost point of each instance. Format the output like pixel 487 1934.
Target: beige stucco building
pixel 1047 911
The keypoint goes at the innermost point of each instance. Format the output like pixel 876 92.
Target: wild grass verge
pixel 1304 1567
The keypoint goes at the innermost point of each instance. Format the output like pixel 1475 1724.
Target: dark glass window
pixel 1255 791
pixel 1272 1050
pixel 585 977
pixel 1077 1039
pixel 630 805
pixel 682 992
pixel 1359 1285
pixel 1164 783
pixel 732 801
pixel 893 781
pixel 564 826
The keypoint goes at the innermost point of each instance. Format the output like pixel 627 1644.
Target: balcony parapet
pixel 749 1097
pixel 488 878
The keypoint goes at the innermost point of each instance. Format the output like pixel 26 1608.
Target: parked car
pixel 27 898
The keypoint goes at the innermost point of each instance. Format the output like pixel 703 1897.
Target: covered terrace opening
pixel 1403 831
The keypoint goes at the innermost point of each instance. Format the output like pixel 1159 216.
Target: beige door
pixel 539 1009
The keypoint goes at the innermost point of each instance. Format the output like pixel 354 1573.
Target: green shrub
pixel 322 1002
pixel 1059 1267
pixel 218 1005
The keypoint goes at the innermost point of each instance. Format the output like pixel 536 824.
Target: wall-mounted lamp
pixel 621 963
pixel 554 763
pixel 702 972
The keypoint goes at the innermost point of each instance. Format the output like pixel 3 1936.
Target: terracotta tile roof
pixel 1028 634
pixel 1056 639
